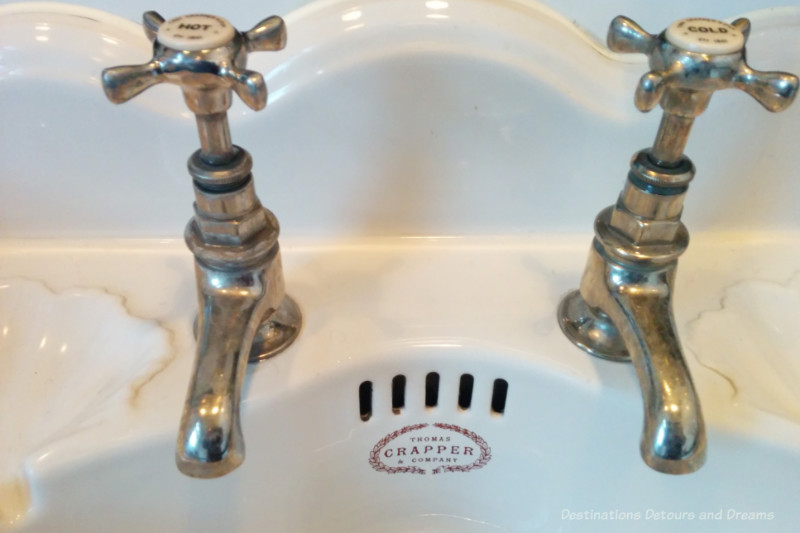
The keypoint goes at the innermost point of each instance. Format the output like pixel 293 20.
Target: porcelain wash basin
pixel 435 167
pixel 562 444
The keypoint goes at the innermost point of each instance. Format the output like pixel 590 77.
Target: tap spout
pixel 640 305
pixel 632 308
pixel 233 305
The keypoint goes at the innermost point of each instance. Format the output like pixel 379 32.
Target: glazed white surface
pixel 377 308
pixel 436 167
pixel 70 360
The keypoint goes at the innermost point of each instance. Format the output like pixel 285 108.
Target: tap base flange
pixel 277 332
pixel 591 331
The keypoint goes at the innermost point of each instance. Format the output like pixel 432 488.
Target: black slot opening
pixel 432 389
pixel 465 391
pixel 499 395
pixel 398 393
pixel 365 400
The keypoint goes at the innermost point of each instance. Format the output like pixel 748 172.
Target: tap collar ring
pixel 221 178
pixel 661 179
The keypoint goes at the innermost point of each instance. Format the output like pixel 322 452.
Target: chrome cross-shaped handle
pixel 207 57
pixel 202 52
pixel 699 56
pixel 688 62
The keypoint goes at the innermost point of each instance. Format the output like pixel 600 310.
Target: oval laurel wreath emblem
pixel 481 461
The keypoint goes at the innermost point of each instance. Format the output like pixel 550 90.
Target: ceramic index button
pixel 705 36
pixel 195 32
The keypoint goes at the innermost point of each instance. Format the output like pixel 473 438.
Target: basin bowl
pixel 562 456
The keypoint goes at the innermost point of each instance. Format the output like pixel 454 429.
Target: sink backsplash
pixel 337 153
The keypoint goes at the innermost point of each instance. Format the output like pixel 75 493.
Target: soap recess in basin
pixel 67 360
pixel 751 340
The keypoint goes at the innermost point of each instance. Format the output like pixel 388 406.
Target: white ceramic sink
pixel 567 440
pixel 436 167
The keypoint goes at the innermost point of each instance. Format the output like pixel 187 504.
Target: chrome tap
pixel 244 313
pixel 623 309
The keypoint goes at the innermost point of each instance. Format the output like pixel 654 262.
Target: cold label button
pixel 705 36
